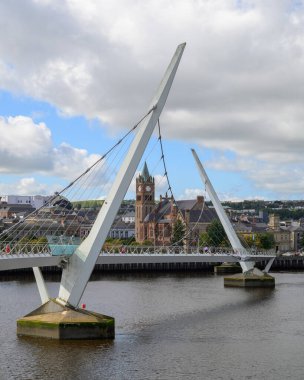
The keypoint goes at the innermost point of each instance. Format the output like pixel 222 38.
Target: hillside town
pixel 147 221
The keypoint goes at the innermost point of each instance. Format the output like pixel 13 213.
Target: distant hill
pixel 97 203
pixel 94 203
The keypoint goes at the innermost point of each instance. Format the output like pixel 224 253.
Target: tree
pixel 247 240
pixel 216 234
pixel 178 233
pixel 265 240
pixel 147 242
pixel 203 239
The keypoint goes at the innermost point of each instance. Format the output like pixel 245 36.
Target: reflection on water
pixel 168 326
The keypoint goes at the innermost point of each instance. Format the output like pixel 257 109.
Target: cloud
pixel 28 186
pixel 70 162
pixel 24 145
pixel 192 194
pixel 27 147
pixel 284 180
pixel 239 88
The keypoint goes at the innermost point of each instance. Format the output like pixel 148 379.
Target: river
pixel 168 326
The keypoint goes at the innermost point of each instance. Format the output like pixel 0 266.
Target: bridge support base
pixel 251 279
pixel 52 320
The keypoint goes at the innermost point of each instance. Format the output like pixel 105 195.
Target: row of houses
pixel 146 220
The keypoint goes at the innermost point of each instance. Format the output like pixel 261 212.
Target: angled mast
pixel 76 274
pixel 231 234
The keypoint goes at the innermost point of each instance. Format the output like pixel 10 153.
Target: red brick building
pixel 155 221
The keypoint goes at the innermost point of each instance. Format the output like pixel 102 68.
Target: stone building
pixel 13 210
pixel 154 222
pixel 282 236
pixel 144 203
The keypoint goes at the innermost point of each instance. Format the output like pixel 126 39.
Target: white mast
pixel 231 234
pixel 77 272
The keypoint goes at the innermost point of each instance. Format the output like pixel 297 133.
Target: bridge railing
pixel 69 249
pixel 173 250
pixel 29 249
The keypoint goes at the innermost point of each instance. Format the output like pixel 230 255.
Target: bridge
pixel 134 255
pixel 61 317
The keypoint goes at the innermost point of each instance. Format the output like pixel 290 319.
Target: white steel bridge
pixel 135 255
pixel 78 261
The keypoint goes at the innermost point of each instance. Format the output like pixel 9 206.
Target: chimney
pixel 200 199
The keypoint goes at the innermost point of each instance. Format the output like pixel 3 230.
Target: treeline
pixel 263 205
pixel 215 235
pixel 95 203
pixel 289 214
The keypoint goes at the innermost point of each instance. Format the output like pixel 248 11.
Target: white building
pixel 129 217
pixel 35 201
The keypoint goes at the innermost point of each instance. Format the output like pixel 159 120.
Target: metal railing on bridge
pixel 28 249
pixel 69 249
pixel 174 250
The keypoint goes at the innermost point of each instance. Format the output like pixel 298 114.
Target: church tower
pixel 145 202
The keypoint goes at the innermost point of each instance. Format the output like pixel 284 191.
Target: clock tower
pixel 145 202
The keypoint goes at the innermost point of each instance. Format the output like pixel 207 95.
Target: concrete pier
pixel 52 320
pixel 252 279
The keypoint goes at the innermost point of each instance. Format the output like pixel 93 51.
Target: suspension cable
pixel 190 230
pixel 57 194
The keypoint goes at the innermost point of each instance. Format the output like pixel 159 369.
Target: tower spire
pixel 145 173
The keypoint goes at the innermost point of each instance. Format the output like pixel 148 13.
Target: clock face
pixel 148 188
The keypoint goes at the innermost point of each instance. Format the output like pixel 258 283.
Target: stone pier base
pixel 253 279
pixel 55 321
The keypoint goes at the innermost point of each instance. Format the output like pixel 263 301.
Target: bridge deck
pixel 19 261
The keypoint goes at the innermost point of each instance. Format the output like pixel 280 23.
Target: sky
pixel 75 75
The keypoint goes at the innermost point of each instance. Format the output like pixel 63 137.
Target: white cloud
pixel 284 180
pixel 70 162
pixel 28 186
pixel 240 85
pixel 192 193
pixel 27 147
pixel 24 145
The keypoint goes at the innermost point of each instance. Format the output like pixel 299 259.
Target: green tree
pixel 178 233
pixel 247 240
pixel 203 239
pixel 147 242
pixel 265 240
pixel 216 234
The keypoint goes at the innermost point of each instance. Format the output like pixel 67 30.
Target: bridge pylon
pixel 61 318
pixel 250 276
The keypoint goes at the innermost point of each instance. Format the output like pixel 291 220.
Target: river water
pixel 168 326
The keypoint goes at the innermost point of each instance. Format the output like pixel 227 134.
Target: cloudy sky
pixel 76 74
